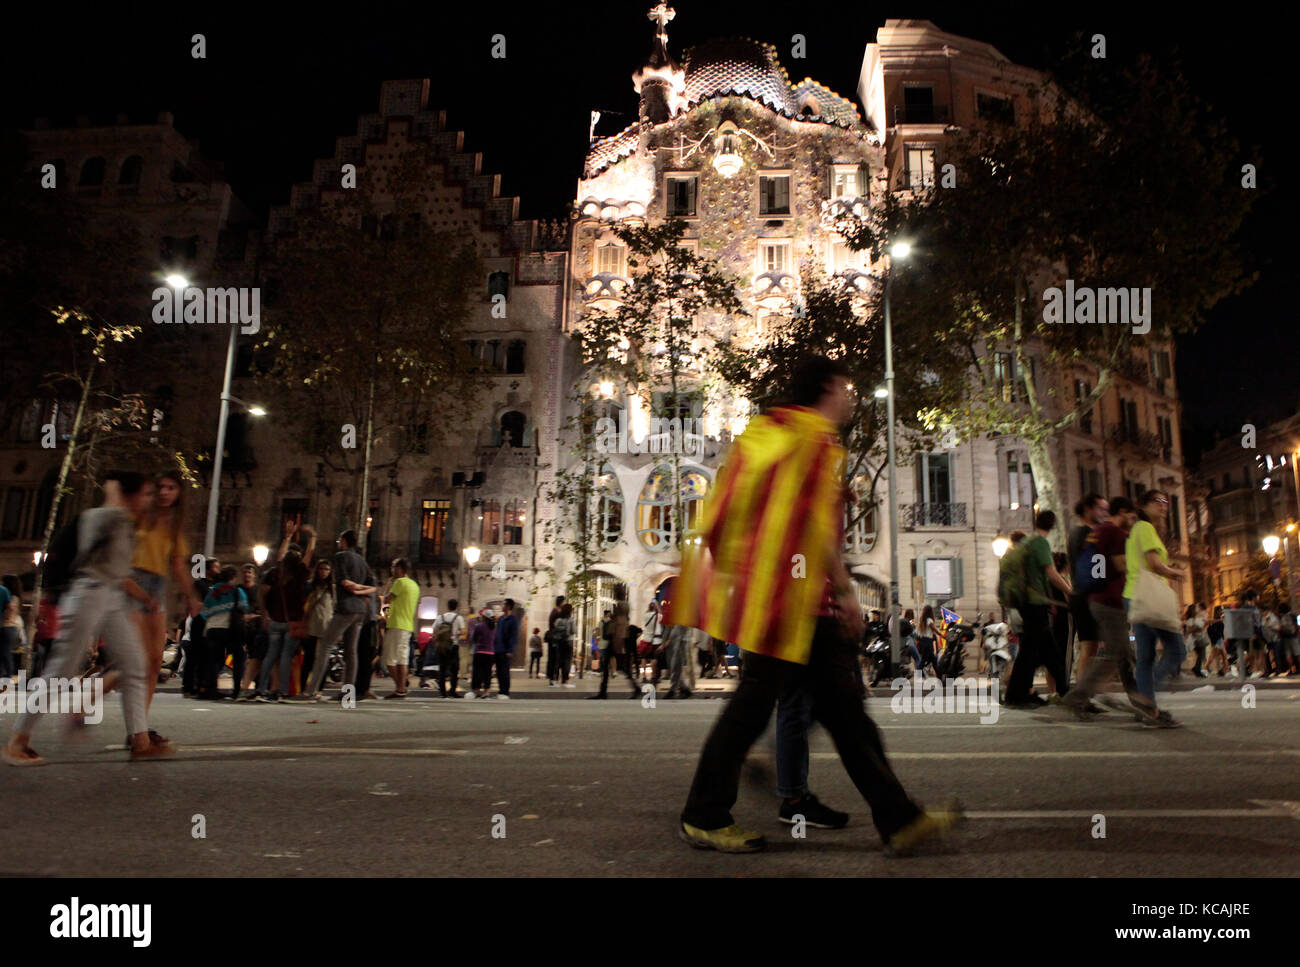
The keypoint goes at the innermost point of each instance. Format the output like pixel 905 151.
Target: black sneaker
pixel 815 814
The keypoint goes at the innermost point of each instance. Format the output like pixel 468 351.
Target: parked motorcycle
pixel 956 635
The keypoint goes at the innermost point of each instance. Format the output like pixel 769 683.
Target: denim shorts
pixel 153 585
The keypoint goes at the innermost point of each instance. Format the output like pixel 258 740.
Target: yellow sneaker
pixel 931 827
pixel 729 839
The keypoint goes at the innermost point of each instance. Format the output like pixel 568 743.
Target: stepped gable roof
pixel 744 67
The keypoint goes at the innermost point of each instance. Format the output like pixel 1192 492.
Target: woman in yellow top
pixel 161 550
pixel 1144 550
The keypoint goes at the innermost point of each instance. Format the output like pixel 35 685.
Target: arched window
pixel 655 508
pixel 609 506
pixel 132 167
pixel 92 172
pixel 499 284
pixel 512 429
pixel 860 521
pixel 515 356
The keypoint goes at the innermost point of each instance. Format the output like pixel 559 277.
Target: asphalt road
pixel 417 788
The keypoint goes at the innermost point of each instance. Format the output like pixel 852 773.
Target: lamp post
pixel 899 250
pixel 1271 544
pixel 472 554
pixel 260 553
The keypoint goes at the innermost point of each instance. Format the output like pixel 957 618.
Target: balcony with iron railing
pixel 933 515
pixel 421 553
pixel 1148 443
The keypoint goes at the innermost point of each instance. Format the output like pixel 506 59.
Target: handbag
pixel 1154 603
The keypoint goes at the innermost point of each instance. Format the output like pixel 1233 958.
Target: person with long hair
pixel 284 593
pixel 1145 551
pixel 927 632
pixel 320 611
pixel 162 551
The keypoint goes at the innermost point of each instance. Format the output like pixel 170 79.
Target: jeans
pixel 534 663
pixel 503 672
pixel 679 653
pixel 279 646
pixel 834 680
pixel 793 717
pixel 366 649
pixel 1037 647
pixel 342 626
pixel 91 610
pixel 1148 673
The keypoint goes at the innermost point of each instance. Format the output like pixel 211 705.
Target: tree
pixel 846 322
pixel 661 330
pixel 1127 181
pixel 364 343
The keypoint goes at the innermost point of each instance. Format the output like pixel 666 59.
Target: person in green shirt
pixel 1037 645
pixel 1145 551
pixel 403 595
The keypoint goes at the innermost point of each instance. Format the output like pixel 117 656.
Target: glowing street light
pixel 260 553
pixel 882 393
pixel 177 281
pixel 1271 543
pixel 1000 546
pixel 472 555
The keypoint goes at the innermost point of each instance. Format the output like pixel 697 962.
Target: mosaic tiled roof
pixel 750 68
pixel 607 151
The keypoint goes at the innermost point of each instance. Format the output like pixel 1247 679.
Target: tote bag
pixel 1154 603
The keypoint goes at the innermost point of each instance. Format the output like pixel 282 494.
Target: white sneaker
pixel 550 684
pixel 504 698
pixel 570 685
pixel 471 696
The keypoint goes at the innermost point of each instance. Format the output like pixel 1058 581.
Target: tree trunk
pixel 1049 493
pixel 65 468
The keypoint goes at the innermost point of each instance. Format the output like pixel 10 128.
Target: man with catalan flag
pixel 764 571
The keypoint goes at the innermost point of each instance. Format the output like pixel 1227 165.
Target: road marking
pixel 323 750
pixel 1131 814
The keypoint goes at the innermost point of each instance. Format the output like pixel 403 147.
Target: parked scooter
pixel 999 649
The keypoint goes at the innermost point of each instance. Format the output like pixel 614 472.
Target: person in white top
pixel 448 636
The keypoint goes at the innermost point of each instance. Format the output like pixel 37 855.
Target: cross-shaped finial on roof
pixel 661 13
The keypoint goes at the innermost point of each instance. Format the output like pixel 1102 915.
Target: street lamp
pixel 260 553
pixel 900 251
pixel 210 533
pixel 1000 546
pixel 177 281
pixel 472 555
pixel 1271 544
pixel 37 557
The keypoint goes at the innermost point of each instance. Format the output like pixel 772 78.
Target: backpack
pixel 442 642
pixel 57 570
pixel 1084 581
pixel 1012 592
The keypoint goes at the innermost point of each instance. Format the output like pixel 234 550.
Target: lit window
pixel 773 257
pixel 611 259
pixel 846 182
pixel 656 508
pixel 920 167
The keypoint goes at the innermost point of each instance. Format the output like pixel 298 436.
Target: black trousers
pixel 834 680
pixel 1037 647
pixel 448 664
pixel 365 656
pixel 623 662
pixel 503 672
pixel 219 643
pixel 482 671
pixel 195 657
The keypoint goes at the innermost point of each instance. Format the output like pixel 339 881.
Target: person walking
pixel 784 478
pixel 1105 549
pixel 1144 551
pixel 98 605
pixel 1037 645
pixel 614 652
pixel 1092 510
pixel 1218 651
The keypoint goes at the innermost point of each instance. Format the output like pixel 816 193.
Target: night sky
pixel 276 89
